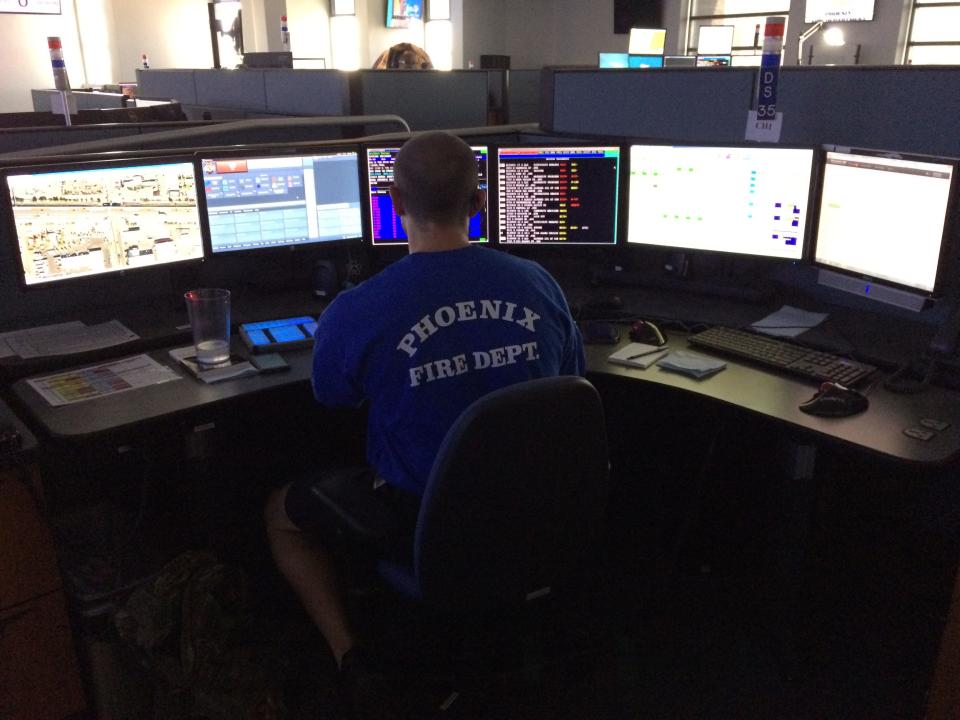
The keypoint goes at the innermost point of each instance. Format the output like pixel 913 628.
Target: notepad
pixel 692 364
pixel 638 355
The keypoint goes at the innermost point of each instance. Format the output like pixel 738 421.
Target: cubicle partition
pixel 696 105
pixel 910 109
pixel 427 100
pixel 523 96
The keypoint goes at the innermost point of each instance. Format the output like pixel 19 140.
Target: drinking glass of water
pixel 209 312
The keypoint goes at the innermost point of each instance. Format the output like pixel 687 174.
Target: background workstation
pixel 882 502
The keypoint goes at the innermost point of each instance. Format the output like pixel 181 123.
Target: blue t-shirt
pixel 429 335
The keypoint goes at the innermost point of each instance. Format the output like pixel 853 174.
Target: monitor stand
pixel 872 291
pixel 680 278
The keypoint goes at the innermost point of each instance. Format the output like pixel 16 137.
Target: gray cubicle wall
pixel 245 94
pixel 175 84
pixel 307 92
pixel 671 103
pixel 426 100
pixel 523 93
pixel 908 108
pixel 85 100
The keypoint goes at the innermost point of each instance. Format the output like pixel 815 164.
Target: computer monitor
pixel 647 41
pixel 715 40
pixel 261 200
pixel 559 195
pixel 885 218
pixel 838 10
pixel 613 60
pixel 386 228
pixel 680 61
pixel 714 60
pixel 748 200
pixel 83 219
pixel 645 61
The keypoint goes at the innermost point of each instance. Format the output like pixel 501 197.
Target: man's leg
pixel 309 568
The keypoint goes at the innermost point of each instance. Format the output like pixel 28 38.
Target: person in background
pixel 403 56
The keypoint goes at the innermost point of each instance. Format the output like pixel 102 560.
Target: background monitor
pixel 645 61
pixel 256 201
pixel 86 219
pixel 385 225
pixel 747 200
pixel 884 217
pixel 647 41
pixel 715 40
pixel 613 60
pixel 400 12
pixel 714 60
pixel 565 195
pixel 680 61
pixel 838 10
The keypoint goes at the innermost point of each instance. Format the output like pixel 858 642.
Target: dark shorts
pixel 365 493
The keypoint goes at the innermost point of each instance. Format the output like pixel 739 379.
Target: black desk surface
pixel 777 396
pixel 767 393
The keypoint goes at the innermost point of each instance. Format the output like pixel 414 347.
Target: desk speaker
pixel 326 284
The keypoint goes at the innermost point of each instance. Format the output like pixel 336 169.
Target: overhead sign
pixel 34 7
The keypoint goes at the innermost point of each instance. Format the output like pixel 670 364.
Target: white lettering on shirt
pixel 465 311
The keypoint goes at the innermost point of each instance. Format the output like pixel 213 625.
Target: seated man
pixel 420 342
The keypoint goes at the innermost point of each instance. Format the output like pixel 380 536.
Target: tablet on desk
pixel 277 335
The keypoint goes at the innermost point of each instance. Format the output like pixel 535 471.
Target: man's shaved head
pixel 436 177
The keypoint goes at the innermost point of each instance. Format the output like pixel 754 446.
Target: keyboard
pixel 811 364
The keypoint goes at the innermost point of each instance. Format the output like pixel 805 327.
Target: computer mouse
pixel 835 400
pixel 600 332
pixel 644 331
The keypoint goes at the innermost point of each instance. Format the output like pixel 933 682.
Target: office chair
pixel 513 505
pixel 515 498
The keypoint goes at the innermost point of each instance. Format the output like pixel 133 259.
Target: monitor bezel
pixel 561 142
pixel 812 196
pixel 949 221
pixel 274 151
pixel 382 246
pixel 93 162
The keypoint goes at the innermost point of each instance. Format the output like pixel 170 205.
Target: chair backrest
pixel 516 496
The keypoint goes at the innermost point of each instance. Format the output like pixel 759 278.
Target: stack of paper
pixel 638 355
pixel 688 363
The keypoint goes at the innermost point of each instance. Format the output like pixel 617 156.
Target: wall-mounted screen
pixel 83 219
pixel 258 202
pixel 647 41
pixel 884 217
pixel 838 10
pixel 748 200
pixel 566 195
pixel 385 224
pixel 401 12
pixel 30 7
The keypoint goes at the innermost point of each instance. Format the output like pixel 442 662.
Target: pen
pixel 645 352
